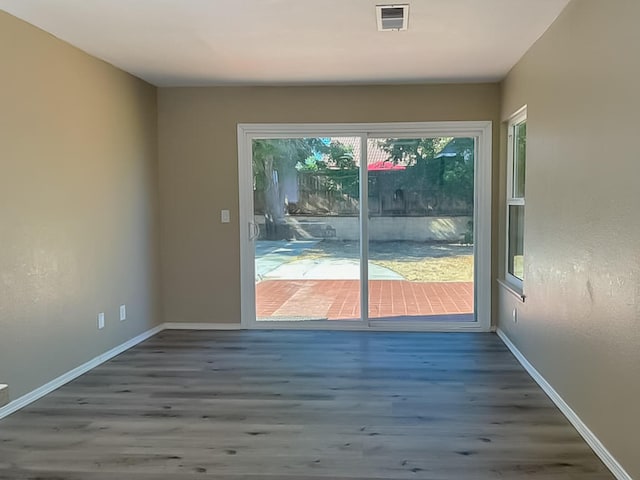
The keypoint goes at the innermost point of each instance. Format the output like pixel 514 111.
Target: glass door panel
pixel 307 228
pixel 421 229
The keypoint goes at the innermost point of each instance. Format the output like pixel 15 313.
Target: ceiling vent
pixel 392 17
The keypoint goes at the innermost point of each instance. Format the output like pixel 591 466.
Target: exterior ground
pixel 320 280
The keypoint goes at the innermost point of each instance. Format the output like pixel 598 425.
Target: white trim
pixel 599 449
pixel 359 326
pixel 351 325
pixel 482 226
pixel 481 130
pixel 395 129
pixel 201 326
pixel 246 220
pixel 510 289
pixel 364 230
pixel 516 283
pixel 56 383
pixel 424 326
pixel 514 120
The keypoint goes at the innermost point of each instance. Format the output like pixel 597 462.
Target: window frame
pixel 481 130
pixel 519 117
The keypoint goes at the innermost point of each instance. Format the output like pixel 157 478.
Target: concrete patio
pixel 293 288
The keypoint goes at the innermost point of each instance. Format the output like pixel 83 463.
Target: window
pixel 516 168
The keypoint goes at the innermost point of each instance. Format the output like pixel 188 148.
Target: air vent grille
pixel 392 17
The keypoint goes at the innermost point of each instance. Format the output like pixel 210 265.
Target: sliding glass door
pixel 306 207
pixel 420 229
pixel 372 226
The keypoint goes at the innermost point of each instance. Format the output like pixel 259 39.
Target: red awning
pixel 384 165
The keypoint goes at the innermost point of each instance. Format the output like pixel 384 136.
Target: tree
pixel 413 151
pixel 440 168
pixel 336 172
pixel 271 159
pixel 458 171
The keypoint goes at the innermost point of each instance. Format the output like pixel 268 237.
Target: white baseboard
pixel 201 326
pixel 599 449
pixel 573 418
pixel 56 383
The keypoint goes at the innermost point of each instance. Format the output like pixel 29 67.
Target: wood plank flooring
pixel 267 405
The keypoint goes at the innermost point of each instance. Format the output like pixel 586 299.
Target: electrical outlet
pixel 123 312
pixel 100 320
pixel 225 216
pixel 515 315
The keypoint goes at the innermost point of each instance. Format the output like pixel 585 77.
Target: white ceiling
pixel 260 42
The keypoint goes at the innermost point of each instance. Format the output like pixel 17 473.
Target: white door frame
pixel 480 130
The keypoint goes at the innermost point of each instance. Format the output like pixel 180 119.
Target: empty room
pixel 319 239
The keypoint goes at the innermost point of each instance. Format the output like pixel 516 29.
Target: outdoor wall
pixel 78 206
pixel 199 170
pixel 580 325
pixel 381 229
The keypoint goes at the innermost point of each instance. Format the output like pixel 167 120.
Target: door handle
pixel 254 231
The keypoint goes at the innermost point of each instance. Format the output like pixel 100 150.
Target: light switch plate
pixel 225 216
pixel 123 312
pixel 101 321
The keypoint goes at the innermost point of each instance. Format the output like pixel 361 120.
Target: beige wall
pixel 580 324
pixel 78 202
pixel 199 170
pixel 78 188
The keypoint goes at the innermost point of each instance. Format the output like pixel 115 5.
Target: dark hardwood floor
pixel 263 405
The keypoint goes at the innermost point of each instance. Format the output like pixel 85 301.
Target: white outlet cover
pixel 123 312
pixel 101 321
pixel 225 216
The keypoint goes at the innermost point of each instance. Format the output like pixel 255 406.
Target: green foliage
pixel 441 169
pixel 341 156
pixel 413 151
pixel 334 156
pixel 520 158
pixel 275 159
pixel 438 179
pixel 338 167
pixel 311 164
pixel 280 154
